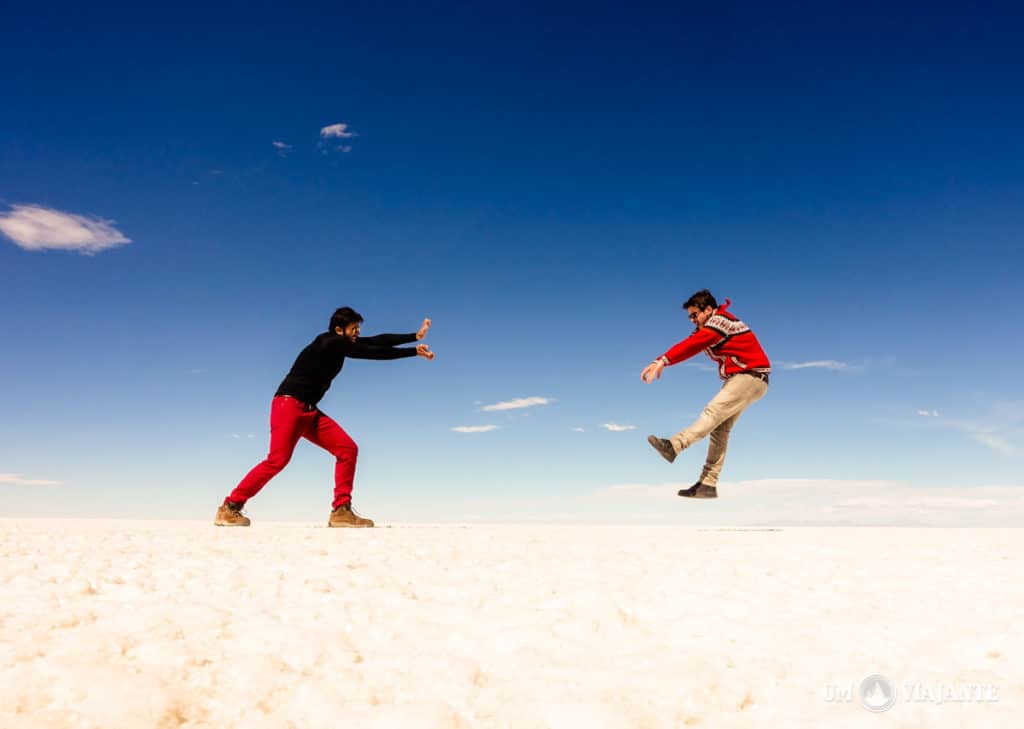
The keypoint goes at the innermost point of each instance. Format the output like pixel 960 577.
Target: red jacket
pixel 726 340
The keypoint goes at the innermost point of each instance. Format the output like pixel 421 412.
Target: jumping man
pixel 743 366
pixel 294 413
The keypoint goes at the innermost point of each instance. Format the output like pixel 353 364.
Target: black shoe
pixel 699 491
pixel 664 447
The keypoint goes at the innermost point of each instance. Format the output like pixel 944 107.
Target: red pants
pixel 289 421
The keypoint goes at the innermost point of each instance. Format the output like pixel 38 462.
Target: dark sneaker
pixel 228 516
pixel 700 491
pixel 343 516
pixel 663 446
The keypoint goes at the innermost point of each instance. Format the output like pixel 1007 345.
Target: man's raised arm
pixel 393 340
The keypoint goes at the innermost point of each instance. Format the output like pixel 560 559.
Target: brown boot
pixel 343 516
pixel 228 516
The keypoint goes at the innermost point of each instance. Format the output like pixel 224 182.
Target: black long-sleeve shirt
pixel 320 362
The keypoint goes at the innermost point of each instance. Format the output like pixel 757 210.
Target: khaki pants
pixel 717 419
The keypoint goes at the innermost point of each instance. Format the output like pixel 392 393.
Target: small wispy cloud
pixel 994 441
pixel 474 428
pixel 337 131
pixel 517 404
pixel 824 364
pixel 282 147
pixel 616 428
pixel 239 436
pixel 15 479
pixel 333 132
pixel 1000 430
pixel 578 430
pixel 34 228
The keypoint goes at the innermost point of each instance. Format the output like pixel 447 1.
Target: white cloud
pixel 516 404
pixel 15 479
pixel 474 428
pixel 640 491
pixel 281 145
pixel 34 228
pixel 578 430
pixel 759 504
pixel 928 413
pixel 825 502
pixel 336 131
pixel 616 428
pixel 825 364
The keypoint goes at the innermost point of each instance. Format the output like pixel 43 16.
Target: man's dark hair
pixel 702 300
pixel 343 317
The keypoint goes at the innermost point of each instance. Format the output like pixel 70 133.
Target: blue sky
pixel 186 194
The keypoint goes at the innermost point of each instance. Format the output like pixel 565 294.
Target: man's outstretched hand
pixel 423 329
pixel 423 350
pixel 652 371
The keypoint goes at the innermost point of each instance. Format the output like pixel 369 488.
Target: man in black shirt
pixel 294 413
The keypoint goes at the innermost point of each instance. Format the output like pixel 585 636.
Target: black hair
pixel 702 300
pixel 343 317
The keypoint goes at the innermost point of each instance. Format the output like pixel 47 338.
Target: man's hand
pixel 652 371
pixel 423 350
pixel 423 329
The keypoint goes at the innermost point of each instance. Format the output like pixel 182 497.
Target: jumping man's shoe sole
pixel 663 446
pixel 699 491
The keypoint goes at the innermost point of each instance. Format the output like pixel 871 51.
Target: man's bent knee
pixel 347 452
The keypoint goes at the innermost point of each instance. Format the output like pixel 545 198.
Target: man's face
pixel 699 317
pixel 350 332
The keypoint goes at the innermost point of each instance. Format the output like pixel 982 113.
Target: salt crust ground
pixel 113 624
